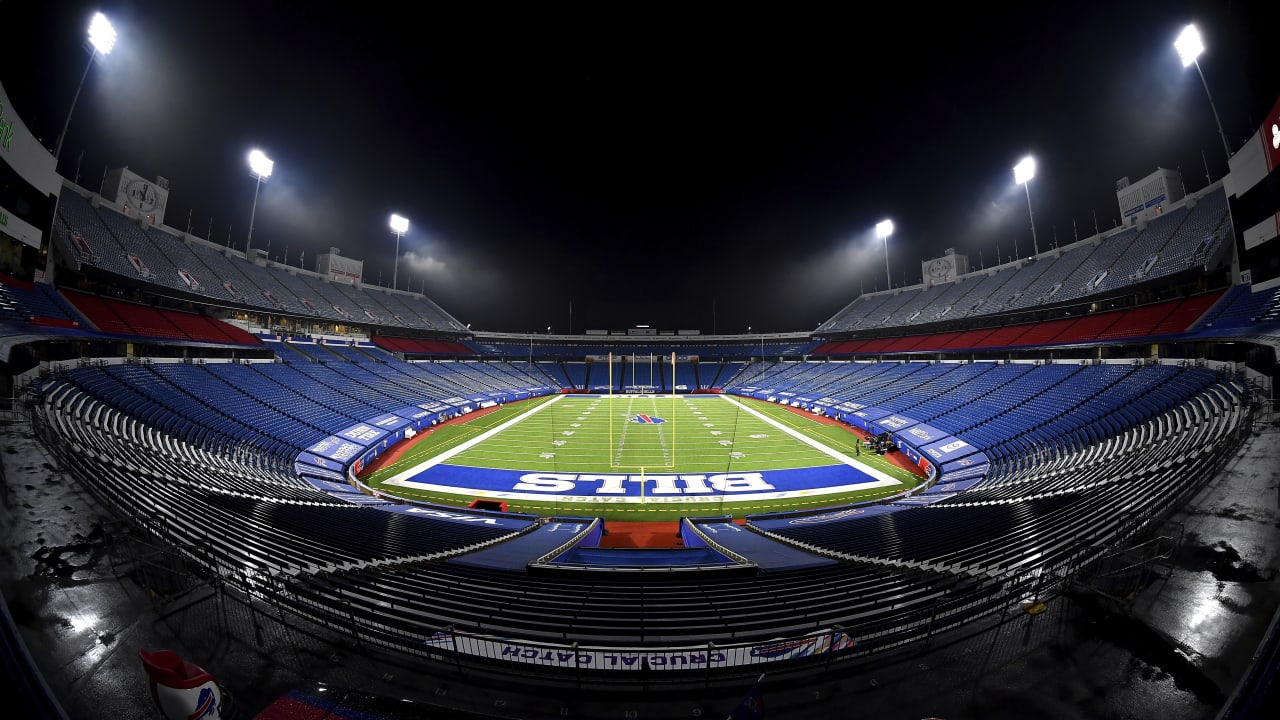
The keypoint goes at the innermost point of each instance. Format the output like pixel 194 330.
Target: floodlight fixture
pixel 102 38
pixel 399 226
pixel 884 229
pixel 1023 172
pixel 1190 46
pixel 260 167
pixel 101 34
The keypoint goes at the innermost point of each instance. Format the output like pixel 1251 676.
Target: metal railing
pixel 312 598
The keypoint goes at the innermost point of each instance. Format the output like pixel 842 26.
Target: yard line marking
pixel 426 464
pixel 834 454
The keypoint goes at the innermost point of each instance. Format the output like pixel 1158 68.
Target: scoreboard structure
pixel 1253 194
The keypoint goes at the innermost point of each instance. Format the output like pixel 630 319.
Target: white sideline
pixel 405 478
pixel 426 464
pixel 834 454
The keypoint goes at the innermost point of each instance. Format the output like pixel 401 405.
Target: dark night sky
pixel 647 163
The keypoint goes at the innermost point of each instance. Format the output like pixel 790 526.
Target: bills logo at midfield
pixel 647 419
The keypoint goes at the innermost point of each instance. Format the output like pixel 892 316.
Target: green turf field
pixel 698 434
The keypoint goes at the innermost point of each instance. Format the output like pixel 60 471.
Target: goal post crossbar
pixel 665 429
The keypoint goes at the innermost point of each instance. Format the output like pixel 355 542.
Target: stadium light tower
pixel 884 229
pixel 1022 174
pixel 1189 46
pixel 399 226
pixel 260 166
pixel 102 38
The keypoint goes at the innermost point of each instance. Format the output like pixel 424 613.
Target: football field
pixel 641 457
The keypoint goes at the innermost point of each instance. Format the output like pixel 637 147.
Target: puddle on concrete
pixel 1154 657
pixel 1222 560
pixel 73 561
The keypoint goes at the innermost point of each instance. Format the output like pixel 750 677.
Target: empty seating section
pixel 302 293
pixel 400 310
pixel 191 273
pixel 1042 333
pixel 1185 315
pixel 1047 288
pixel 336 300
pixel 554 372
pixel 274 527
pixel 332 560
pixel 1171 317
pixel 230 282
pixel 1139 321
pixel 35 303
pixel 323 404
pixel 278 409
pixel 199 327
pixel 577 374
pixel 852 314
pixel 235 392
pixel 132 391
pixel 90 240
pixel 725 371
pixel 294 352
pixel 421 346
pixel 1058 502
pixel 1087 453
pixel 686 377
pixel 1178 240
pixel 1090 273
pixel 358 391
pixel 146 320
pixel 1243 307
pixel 416 311
pixel 1143 257
pixel 1085 329
pixel 101 313
pixel 278 296
pixel 362 305
pixel 392 383
pixel 915 304
pixel 946 306
pixel 1011 411
pixel 126 318
pixel 979 291
pixel 153 265
pixel 1198 238
pixel 982 398
pixel 115 242
pixel 340 352
pixel 379 301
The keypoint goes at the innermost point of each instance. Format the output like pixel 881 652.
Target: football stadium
pixel 236 486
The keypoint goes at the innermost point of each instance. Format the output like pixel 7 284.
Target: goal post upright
pixel 622 458
pixel 673 408
pixel 610 405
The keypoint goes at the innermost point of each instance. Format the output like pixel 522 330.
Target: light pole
pixel 1022 174
pixel 102 37
pixel 399 226
pixel 260 166
pixel 884 229
pixel 1189 46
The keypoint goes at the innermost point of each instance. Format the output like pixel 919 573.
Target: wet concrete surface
pixel 1173 649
